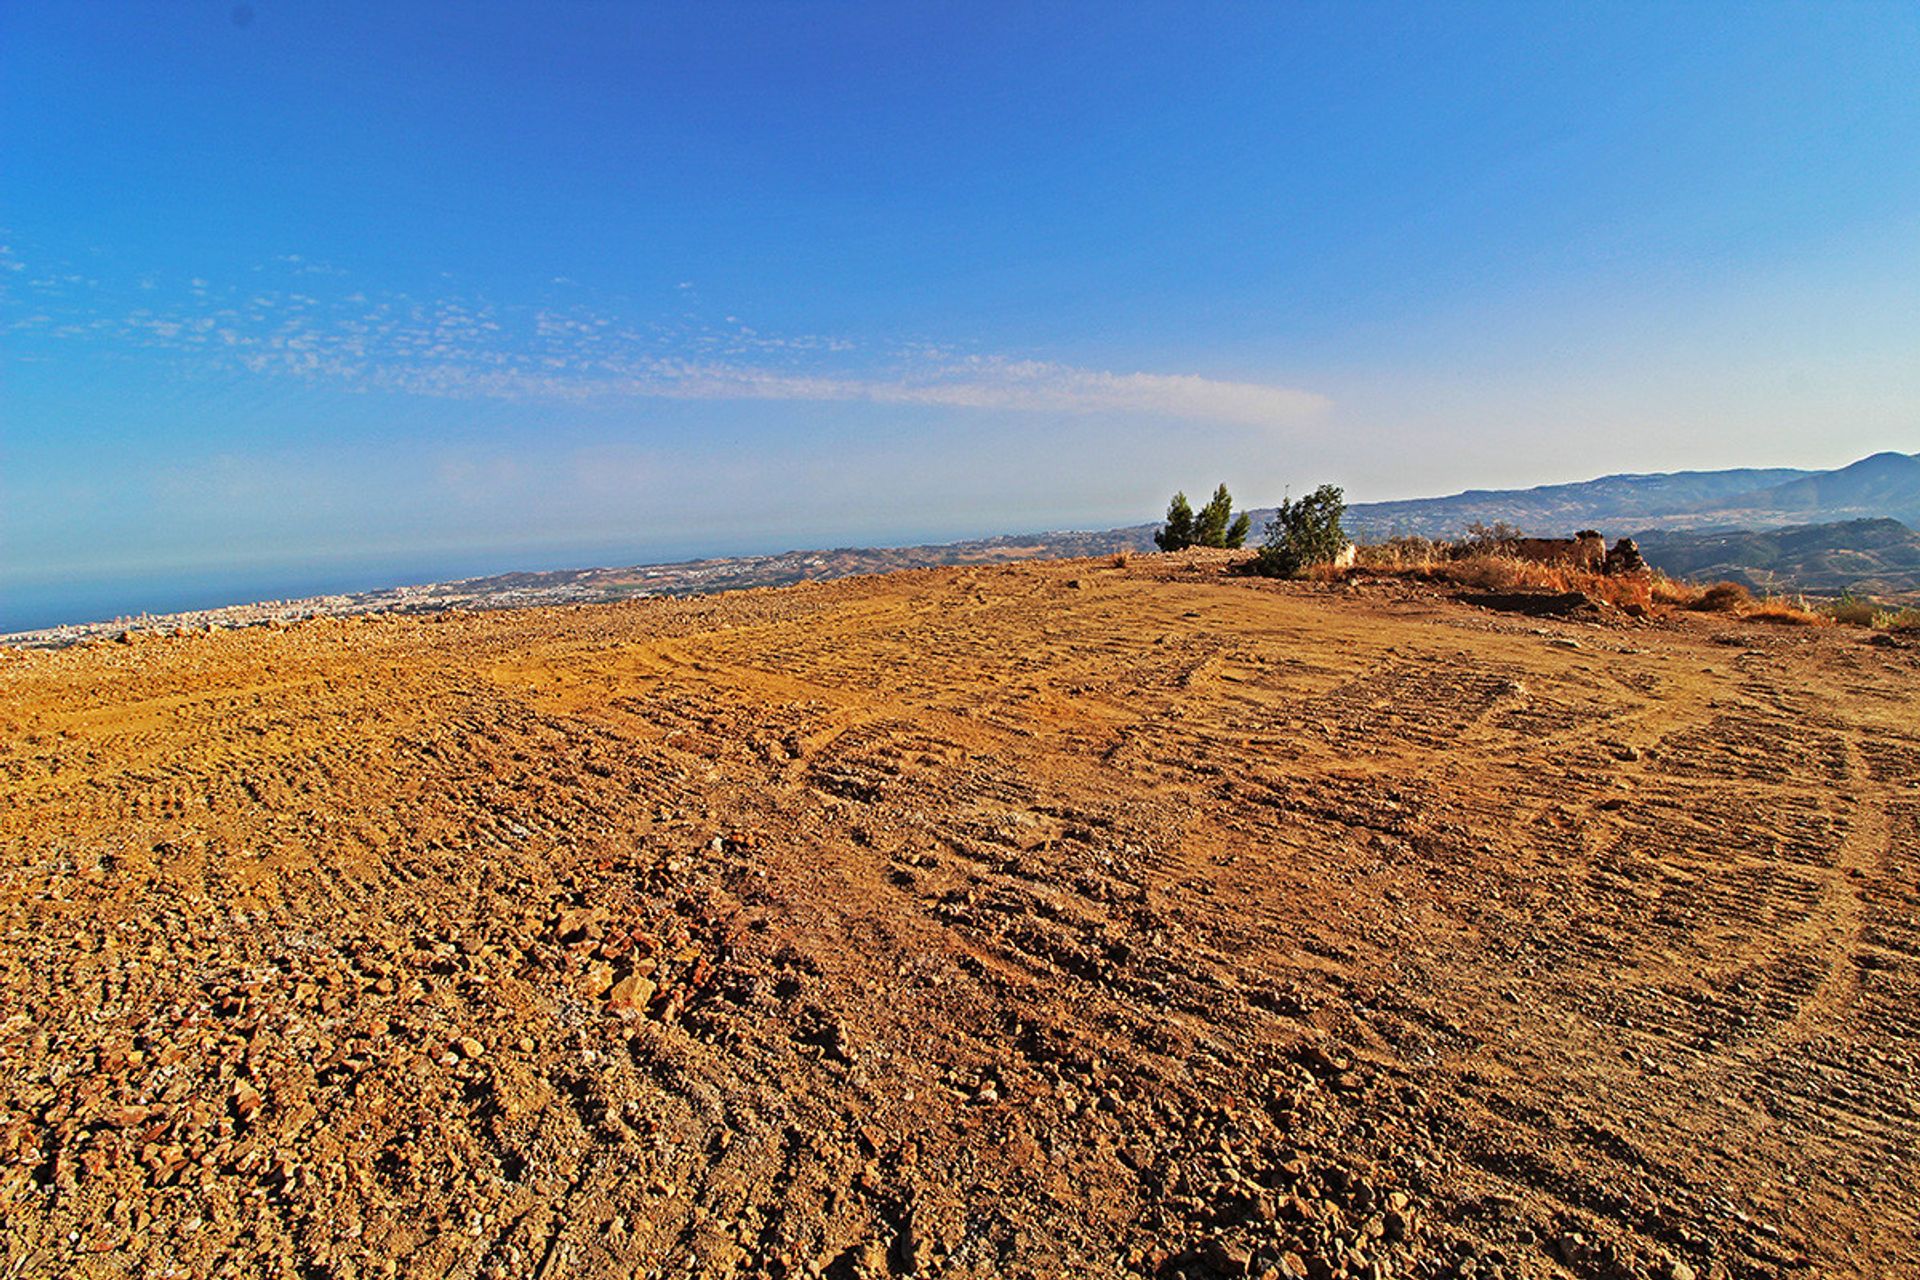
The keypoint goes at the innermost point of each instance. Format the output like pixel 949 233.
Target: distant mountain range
pixel 1842 533
pixel 1886 485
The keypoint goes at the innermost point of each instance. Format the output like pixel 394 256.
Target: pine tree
pixel 1178 535
pixel 1210 528
pixel 1217 526
pixel 1237 531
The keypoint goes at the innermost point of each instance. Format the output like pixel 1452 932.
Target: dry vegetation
pixel 1639 594
pixel 1081 919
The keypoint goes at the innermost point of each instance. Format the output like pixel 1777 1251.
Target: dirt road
pixel 1049 920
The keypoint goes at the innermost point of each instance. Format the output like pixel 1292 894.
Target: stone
pixel 631 992
pixel 1225 1256
pixel 1319 1059
pixel 870 1259
pixel 915 1253
pixel 1624 558
pixel 575 924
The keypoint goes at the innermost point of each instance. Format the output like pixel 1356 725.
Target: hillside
pixel 1878 558
pixel 1886 485
pixel 1035 920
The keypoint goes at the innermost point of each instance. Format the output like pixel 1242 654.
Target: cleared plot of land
pixel 1048 919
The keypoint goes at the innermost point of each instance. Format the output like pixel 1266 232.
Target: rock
pixel 1224 1256
pixel 1317 1058
pixel 1624 558
pixel 869 1259
pixel 1678 1270
pixel 914 1253
pixel 470 1049
pixel 575 924
pixel 631 992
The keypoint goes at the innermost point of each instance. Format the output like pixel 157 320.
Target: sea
pixel 33 602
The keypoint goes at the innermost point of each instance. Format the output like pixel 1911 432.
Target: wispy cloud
pixel 281 323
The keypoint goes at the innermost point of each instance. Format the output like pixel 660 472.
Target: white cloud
pixel 472 348
pixel 990 383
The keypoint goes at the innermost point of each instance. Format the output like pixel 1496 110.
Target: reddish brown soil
pixel 1042 920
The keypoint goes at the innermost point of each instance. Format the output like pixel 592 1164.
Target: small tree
pixel 1217 526
pixel 1303 533
pixel 1178 535
pixel 1497 536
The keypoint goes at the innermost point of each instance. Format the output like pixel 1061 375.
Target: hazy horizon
pixel 290 295
pixel 35 603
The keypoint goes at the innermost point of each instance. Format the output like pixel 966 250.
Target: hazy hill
pixel 1865 557
pixel 1884 485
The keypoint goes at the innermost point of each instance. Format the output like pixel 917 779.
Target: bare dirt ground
pixel 1044 920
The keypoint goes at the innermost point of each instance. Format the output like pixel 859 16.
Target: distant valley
pixel 1878 558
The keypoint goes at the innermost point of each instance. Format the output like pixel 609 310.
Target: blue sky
pixel 365 290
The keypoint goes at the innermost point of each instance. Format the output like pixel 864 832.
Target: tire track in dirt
pixel 1036 920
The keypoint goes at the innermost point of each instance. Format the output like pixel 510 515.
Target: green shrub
pixel 1850 610
pixel 1303 534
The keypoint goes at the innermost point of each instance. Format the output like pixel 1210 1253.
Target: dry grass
pixel 1640 593
pixel 1853 611
pixel 1488 571
pixel 1679 595
pixel 1794 613
pixel 1723 597
pixel 1121 559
